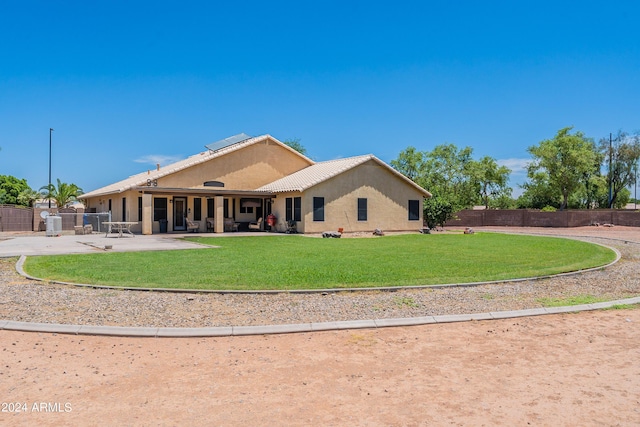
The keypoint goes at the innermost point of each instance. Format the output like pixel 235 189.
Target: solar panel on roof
pixel 224 143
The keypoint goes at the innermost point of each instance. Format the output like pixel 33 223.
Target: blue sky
pixel 126 84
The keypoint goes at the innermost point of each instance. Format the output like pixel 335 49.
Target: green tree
pixel 448 173
pixel 455 179
pixel 594 185
pixel 296 145
pixel 565 159
pixel 492 180
pixel 503 201
pixel 410 163
pixel 622 159
pixel 624 197
pixel 63 194
pixel 10 188
pixel 538 193
pixel 592 195
pixel 437 211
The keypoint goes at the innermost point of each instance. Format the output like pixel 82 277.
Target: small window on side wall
pixel 318 208
pixel 362 209
pixel 414 210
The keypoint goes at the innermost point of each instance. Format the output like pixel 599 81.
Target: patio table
pixel 120 227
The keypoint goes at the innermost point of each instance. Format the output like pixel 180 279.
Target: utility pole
pixel 50 130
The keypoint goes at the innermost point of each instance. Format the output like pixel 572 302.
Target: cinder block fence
pixel 535 218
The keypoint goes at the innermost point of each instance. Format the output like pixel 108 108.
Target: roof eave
pixel 202 191
pixel 100 194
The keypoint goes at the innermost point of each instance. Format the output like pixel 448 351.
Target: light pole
pixel 50 130
pixel 610 172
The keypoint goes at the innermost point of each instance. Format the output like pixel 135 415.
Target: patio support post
pixel 147 214
pixel 218 207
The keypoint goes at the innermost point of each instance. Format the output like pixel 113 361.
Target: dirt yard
pixel 576 369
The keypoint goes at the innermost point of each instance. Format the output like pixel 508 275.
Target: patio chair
pixel 256 226
pixel 230 225
pixel 192 226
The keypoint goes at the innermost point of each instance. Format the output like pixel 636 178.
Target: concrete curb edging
pixel 226 331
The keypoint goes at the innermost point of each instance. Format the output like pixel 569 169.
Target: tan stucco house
pixel 242 179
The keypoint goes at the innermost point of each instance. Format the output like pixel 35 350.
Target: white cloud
pixel 517 166
pixel 154 159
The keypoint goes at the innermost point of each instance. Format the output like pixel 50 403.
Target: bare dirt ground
pixel 573 369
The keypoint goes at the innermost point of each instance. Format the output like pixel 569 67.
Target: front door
pixel 179 213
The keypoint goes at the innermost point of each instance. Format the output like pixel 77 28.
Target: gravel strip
pixel 31 301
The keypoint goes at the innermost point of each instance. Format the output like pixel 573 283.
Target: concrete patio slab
pixel 91 243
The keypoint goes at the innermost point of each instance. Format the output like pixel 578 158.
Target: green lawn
pixel 297 262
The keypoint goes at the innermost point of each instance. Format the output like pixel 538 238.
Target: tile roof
pixel 141 178
pixel 298 181
pixel 322 171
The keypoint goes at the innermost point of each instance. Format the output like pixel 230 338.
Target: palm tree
pixel 63 194
pixel 28 197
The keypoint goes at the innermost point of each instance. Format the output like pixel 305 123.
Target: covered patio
pixel 165 209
